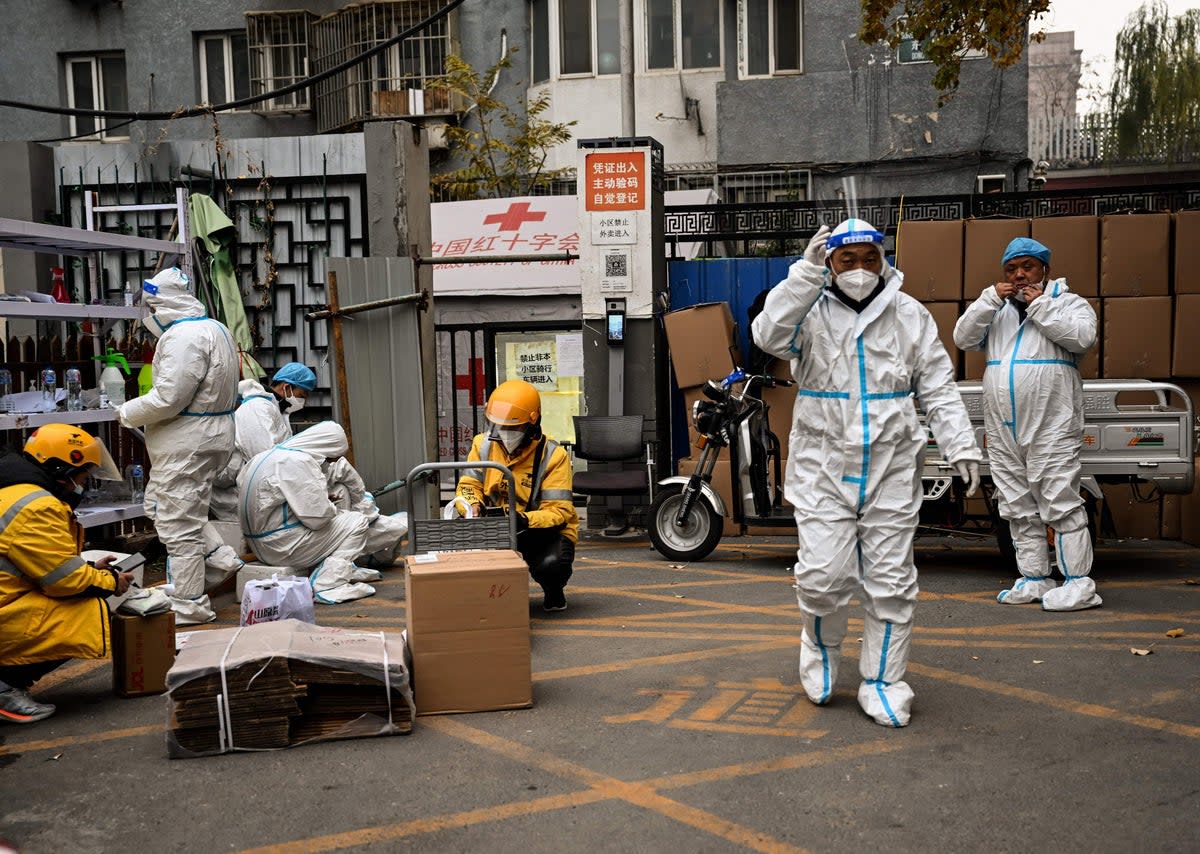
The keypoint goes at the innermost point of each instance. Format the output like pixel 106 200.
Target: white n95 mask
pixel 295 404
pixel 510 437
pixel 858 283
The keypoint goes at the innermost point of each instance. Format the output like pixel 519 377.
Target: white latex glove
pixel 814 253
pixel 122 416
pixel 968 470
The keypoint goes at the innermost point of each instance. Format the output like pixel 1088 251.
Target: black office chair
pixel 614 440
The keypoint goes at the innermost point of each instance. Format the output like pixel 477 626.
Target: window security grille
pixel 279 54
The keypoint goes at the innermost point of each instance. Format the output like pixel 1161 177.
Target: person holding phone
pixel 52 601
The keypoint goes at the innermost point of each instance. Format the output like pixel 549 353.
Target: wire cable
pixel 206 109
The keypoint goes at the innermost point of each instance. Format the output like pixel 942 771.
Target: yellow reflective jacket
pixel 549 486
pixel 51 599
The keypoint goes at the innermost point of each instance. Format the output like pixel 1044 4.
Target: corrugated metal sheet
pixel 383 371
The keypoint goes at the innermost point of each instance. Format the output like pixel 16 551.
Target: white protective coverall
pixel 288 518
pixel 188 417
pixel 260 424
pixel 854 469
pixel 1033 413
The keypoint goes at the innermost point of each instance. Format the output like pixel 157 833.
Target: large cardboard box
pixel 1171 516
pixel 945 315
pixel 930 254
pixel 1189 513
pixel 1185 360
pixel 1137 338
pixel 1135 255
pixel 1133 519
pixel 702 343
pixel 1074 243
pixel 468 628
pixel 984 243
pixel 1187 252
pixel 143 650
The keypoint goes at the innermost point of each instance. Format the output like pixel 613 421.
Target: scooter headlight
pixel 704 416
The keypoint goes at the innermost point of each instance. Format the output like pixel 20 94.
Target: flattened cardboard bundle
pixel 276 685
pixel 930 254
pixel 701 342
pixel 143 650
pixel 468 630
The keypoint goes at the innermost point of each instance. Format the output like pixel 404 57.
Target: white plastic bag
pixel 277 598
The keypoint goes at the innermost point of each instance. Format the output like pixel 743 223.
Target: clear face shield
pixel 107 470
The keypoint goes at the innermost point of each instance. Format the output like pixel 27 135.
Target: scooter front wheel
pixel 692 541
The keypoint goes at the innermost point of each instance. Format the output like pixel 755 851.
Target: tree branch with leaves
pixel 504 151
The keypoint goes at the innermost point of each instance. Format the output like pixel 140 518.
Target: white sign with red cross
pixel 532 225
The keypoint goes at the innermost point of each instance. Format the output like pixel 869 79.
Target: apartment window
pixel 278 55
pixel 96 83
pixel 771 32
pixel 540 28
pixel 683 34
pixel 224 67
pixel 589 37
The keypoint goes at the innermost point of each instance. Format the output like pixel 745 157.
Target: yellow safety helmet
pixel 73 449
pixel 514 403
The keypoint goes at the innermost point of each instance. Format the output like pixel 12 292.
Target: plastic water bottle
pixel 6 389
pixel 74 382
pixel 49 383
pixel 128 295
pixel 137 484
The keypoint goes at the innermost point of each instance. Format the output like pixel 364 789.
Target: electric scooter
pixel 687 516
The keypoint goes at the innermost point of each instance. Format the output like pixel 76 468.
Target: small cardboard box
pixel 930 254
pixel 702 343
pixel 1187 252
pixel 1137 338
pixel 945 315
pixel 1134 255
pixel 143 650
pixel 468 629
pixel 1185 361
pixel 1074 243
pixel 1133 519
pixel 984 243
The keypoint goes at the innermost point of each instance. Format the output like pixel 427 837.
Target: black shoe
pixel 17 707
pixel 556 600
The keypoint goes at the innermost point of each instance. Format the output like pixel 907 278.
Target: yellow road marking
pixel 75 740
pixel 658 660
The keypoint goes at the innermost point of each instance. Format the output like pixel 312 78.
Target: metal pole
pixel 625 24
pixel 339 355
pixel 357 308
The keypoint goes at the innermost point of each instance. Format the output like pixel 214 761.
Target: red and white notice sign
pixel 616 181
pixel 529 225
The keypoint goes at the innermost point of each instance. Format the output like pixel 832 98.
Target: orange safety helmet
pixel 514 403
pixel 73 449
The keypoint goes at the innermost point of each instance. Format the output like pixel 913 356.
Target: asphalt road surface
pixel 668 717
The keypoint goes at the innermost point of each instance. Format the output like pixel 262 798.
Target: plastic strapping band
pixel 387 679
pixel 227 724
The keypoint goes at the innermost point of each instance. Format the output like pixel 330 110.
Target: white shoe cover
pixel 190 612
pixel 820 653
pixel 884 658
pixel 1026 590
pixel 360 573
pixel 888 705
pixel 343 593
pixel 1076 594
pixel 221 565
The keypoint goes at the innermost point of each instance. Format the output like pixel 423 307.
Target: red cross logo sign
pixel 518 214
pixel 462 382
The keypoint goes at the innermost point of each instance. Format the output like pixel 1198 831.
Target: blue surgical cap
pixel 1021 246
pixel 294 373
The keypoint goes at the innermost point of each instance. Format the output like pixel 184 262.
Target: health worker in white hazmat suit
pixel 262 421
pixel 188 417
pixel 862 353
pixel 1034 331
pixel 289 519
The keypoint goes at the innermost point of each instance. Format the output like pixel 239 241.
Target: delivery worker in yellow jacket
pixel 52 601
pixel 547 524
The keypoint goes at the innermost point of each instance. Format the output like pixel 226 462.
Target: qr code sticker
pixel 616 266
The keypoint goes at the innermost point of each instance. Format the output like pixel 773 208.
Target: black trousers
pixel 23 675
pixel 549 556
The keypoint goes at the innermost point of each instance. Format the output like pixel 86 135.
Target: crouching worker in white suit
pixel 862 351
pixel 289 519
